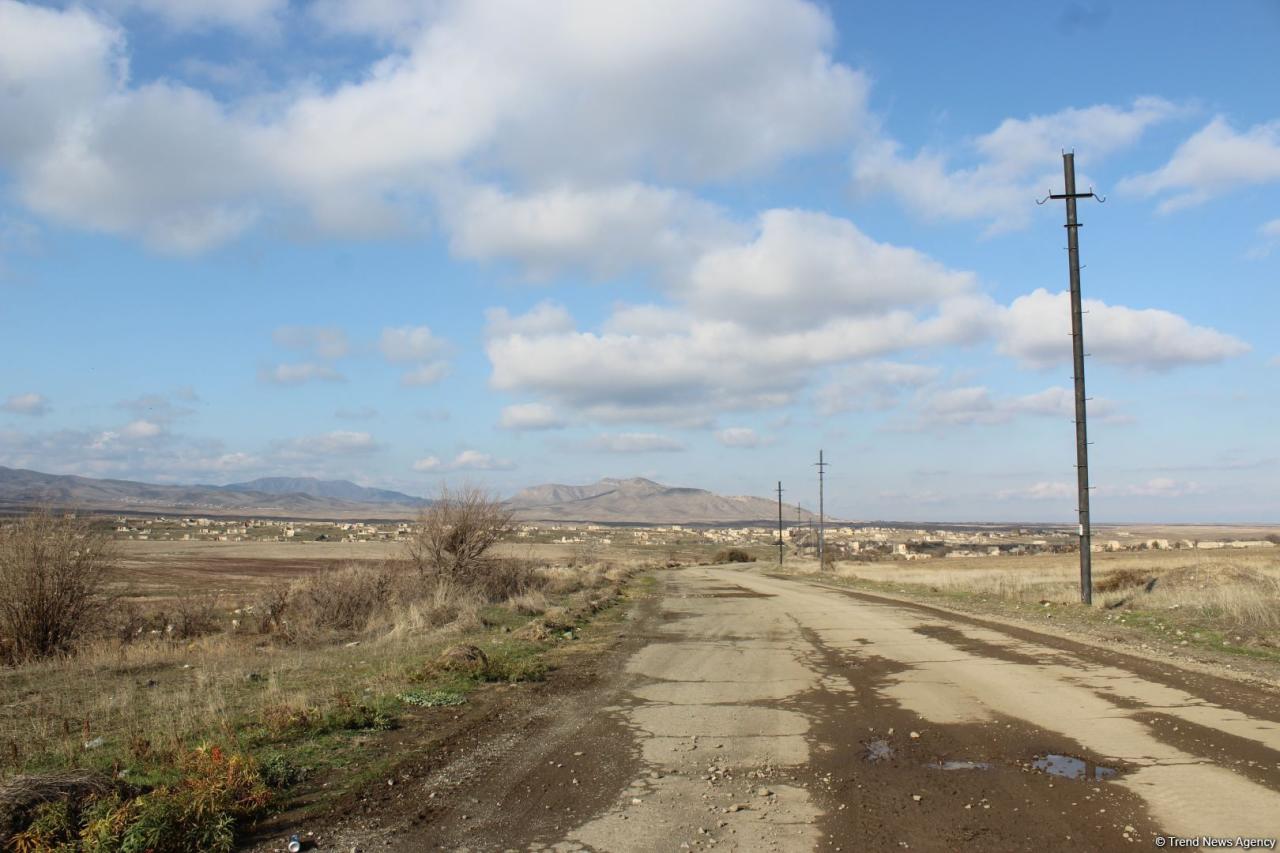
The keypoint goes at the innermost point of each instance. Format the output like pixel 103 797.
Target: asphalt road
pixel 747 712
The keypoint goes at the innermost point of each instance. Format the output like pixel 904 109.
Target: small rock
pixel 917 797
pixel 763 792
pixel 635 801
pixel 915 735
pixel 352 644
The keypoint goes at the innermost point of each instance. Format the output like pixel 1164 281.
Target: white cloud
pixel 603 231
pixel 805 266
pixel 1036 330
pixel 249 16
pixel 1018 160
pixel 530 416
pixel 1042 491
pixel 1212 162
pixel 162 457
pixel 467 460
pixel 419 347
pixel 568 93
pixel 425 374
pixel 1159 487
pixel 26 404
pixel 871 386
pixel 749 329
pixel 336 443
pixel 141 429
pixel 297 374
pixel 1270 234
pixel 410 344
pixel 740 437
pixel 325 342
pixel 977 405
pixel 634 442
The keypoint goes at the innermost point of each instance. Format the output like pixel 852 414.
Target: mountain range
pixel 634 500
pixel 641 501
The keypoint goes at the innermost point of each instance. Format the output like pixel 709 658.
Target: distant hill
pixel 644 502
pixel 342 490
pixel 22 489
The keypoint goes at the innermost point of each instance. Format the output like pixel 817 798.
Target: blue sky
pixel 414 242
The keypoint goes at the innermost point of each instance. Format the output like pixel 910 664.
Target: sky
pixel 419 242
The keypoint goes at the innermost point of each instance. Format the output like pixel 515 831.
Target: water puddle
pixel 879 750
pixel 1069 767
pixel 961 765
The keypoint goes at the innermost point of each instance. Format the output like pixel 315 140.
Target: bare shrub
pixel 52 573
pixel 454 535
pixel 272 608
pixel 733 555
pixel 528 603
pixel 195 616
pixel 344 599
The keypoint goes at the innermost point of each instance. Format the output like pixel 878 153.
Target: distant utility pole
pixel 1077 352
pixel 822 467
pixel 780 524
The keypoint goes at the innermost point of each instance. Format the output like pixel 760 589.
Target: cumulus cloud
pixel 1036 330
pixel 297 374
pixel 249 16
pixel 1011 163
pixel 804 266
pixel 31 403
pixel 603 231
pixel 977 405
pixel 1042 491
pixel 418 347
pixel 141 429
pixel 1215 160
pixel 740 437
pixel 530 416
pixel 567 93
pixel 330 444
pixel 323 342
pixel 467 460
pixel 634 442
pixel 140 452
pixel 871 386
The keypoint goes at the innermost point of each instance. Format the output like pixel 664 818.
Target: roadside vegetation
pixel 1224 600
pixel 168 726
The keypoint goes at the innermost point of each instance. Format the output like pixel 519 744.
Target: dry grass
pixel 1233 592
pixel 363 630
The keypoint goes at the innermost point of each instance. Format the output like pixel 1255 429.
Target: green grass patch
pixel 433 698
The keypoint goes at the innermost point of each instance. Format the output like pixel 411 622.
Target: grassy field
pixel 195 657
pixel 1225 600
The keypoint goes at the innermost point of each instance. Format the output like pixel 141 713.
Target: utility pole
pixel 780 545
pixel 1077 353
pixel 822 467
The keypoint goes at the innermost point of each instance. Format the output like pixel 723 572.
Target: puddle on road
pixel 961 765
pixel 1069 767
pixel 879 750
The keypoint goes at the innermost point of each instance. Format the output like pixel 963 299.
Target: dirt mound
pixel 1123 579
pixel 463 658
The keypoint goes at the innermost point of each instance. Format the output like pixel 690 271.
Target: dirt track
pixel 754 713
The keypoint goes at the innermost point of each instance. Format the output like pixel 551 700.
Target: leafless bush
pixel 455 534
pixel 195 616
pixel 52 572
pixel 272 608
pixel 344 599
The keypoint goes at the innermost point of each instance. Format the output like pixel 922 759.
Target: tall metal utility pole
pixel 780 545
pixel 822 467
pixel 1077 354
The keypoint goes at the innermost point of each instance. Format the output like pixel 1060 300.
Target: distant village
pixel 843 541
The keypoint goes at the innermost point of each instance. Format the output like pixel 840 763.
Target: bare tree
pixel 456 531
pixel 52 572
